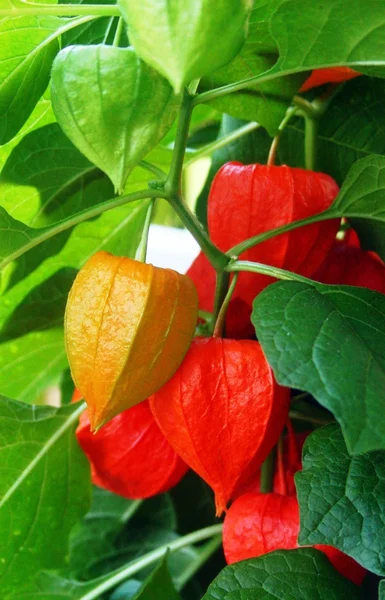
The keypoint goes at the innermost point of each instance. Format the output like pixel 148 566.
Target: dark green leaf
pixel 329 341
pixel 117 530
pixel 192 38
pixel 194 503
pixel 362 200
pixel 253 147
pixel 266 103
pixel 382 591
pixel 352 128
pixel 42 308
pixel 112 106
pixel 44 490
pixel 342 498
pixel 28 46
pixel 31 363
pixel 158 585
pixel 93 540
pixel 304 574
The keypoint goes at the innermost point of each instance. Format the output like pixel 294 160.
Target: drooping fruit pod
pixel 348 264
pixel 189 39
pixel 330 75
pixel 128 326
pixel 130 456
pixel 222 412
pixel 245 201
pixel 257 524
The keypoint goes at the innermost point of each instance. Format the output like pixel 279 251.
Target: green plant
pixel 93 133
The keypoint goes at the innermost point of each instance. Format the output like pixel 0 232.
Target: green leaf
pixel 43 172
pixel 266 103
pixel 44 490
pixel 303 36
pixel 352 128
pixel 41 115
pixel 93 540
pixel 282 575
pixel 111 105
pixel 329 341
pixel 28 46
pixel 192 38
pixel 342 498
pixel 31 363
pixel 159 585
pixel 250 148
pixel 382 590
pixel 361 199
pixel 42 308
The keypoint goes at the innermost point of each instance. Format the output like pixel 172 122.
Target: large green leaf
pixel 112 106
pixel 329 341
pixel 42 172
pixel 28 46
pixel 304 574
pixel 42 308
pixel 362 200
pixel 31 363
pixel 303 34
pixel 44 490
pixel 353 127
pixel 41 115
pixel 342 498
pixel 193 37
pixel 266 103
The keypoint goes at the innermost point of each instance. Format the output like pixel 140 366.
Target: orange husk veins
pixel 128 326
pixel 130 456
pixel 330 75
pixel 260 523
pixel 222 412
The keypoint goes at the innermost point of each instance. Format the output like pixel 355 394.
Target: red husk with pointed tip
pixel 260 523
pixel 330 75
pixel 222 412
pixel 247 200
pixel 129 455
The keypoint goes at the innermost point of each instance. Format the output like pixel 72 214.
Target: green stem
pixel 118 32
pixel 141 252
pixel 46 233
pixel 220 321
pixel 148 559
pixel 306 107
pixel 254 267
pixel 193 567
pixel 172 185
pixel 274 146
pixel 311 137
pixel 298 416
pixel 221 143
pixel 267 235
pixel 267 473
pixel 217 258
pixel 34 9
pixel 153 169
